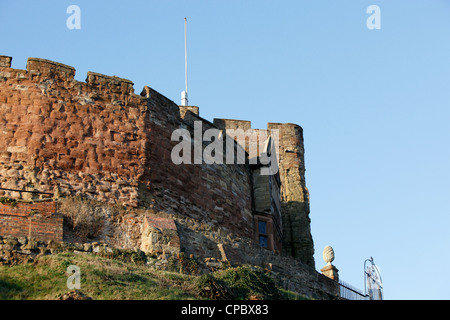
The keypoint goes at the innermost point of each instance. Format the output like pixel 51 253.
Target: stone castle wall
pixel 99 139
pixel 218 193
pixel 79 137
pixel 172 234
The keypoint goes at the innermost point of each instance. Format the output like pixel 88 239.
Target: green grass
pixel 119 278
pixel 101 279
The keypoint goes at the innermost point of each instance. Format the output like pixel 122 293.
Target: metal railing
pixel 15 190
pixel 351 293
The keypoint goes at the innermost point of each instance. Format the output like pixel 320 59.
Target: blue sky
pixel 374 104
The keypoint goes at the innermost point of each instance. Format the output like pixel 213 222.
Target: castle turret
pixel 297 239
pixel 295 222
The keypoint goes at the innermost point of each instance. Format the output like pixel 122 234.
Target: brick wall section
pixel 38 220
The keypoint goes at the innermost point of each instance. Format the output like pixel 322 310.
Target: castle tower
pixel 296 232
pixel 297 239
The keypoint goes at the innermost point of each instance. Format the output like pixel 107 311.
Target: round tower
pixel 297 239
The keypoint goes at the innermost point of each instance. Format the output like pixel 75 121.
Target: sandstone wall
pixel 217 193
pixel 79 137
pixel 215 249
pixel 99 139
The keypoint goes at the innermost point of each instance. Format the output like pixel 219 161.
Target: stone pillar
pixel 329 270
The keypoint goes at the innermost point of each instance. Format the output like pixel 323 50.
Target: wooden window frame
pixel 269 230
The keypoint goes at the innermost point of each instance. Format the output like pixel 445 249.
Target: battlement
pixel 185 109
pixel 109 83
pixel 5 62
pixel 235 124
pixel 38 69
pixel 232 124
pixel 51 69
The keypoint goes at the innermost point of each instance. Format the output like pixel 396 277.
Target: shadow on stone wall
pixel 196 243
pixel 297 238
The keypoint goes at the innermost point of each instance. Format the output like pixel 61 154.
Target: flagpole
pixel 185 56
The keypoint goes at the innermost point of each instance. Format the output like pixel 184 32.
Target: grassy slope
pixel 111 279
pixel 101 279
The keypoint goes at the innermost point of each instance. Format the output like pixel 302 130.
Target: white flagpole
pixel 184 94
pixel 185 52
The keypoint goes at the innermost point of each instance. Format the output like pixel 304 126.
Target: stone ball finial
pixel 328 254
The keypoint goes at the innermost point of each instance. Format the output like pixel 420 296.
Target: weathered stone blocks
pixel 5 62
pixel 159 235
pixel 47 68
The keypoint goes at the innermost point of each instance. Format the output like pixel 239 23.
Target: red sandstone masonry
pixel 219 194
pixel 99 139
pixel 81 137
pixel 159 222
pixel 39 221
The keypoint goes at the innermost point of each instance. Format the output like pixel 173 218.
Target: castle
pixel 101 140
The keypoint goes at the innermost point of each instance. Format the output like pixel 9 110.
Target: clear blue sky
pixel 374 104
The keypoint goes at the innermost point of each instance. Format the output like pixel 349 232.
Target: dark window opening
pixel 262 227
pixel 262 234
pixel 263 241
